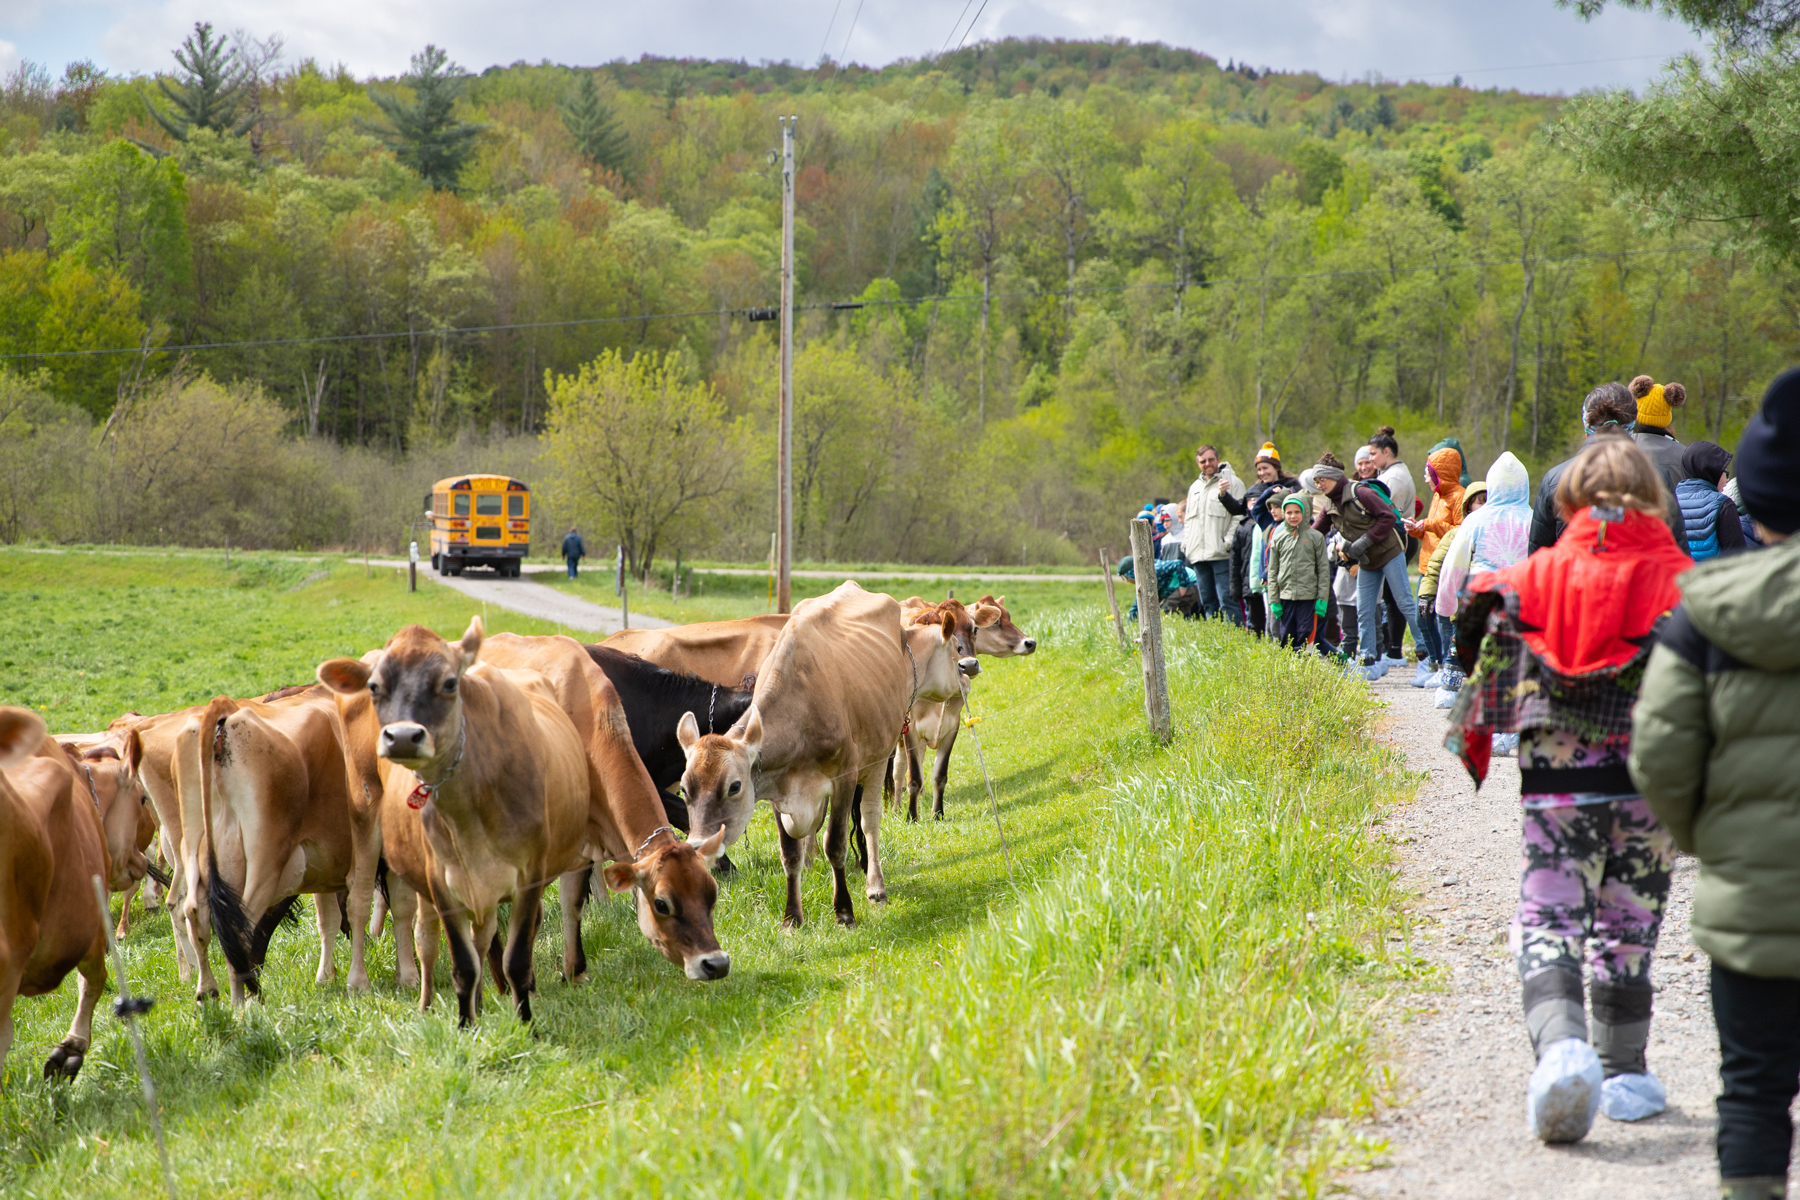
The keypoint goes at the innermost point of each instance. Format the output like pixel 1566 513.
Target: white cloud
pixel 9 57
pixel 1501 42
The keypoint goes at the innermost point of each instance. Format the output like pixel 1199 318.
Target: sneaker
pixel 1444 698
pixel 1426 671
pixel 1632 1097
pixel 1506 745
pixel 1564 1092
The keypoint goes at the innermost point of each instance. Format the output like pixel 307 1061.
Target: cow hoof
pixel 846 917
pixel 205 994
pixel 359 984
pixel 877 895
pixel 790 922
pixel 407 983
pixel 65 1062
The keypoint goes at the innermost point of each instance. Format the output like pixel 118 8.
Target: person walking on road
pixel 1299 577
pixel 1206 532
pixel 1714 743
pixel 1489 540
pixel 573 550
pixel 1561 639
pixel 1656 405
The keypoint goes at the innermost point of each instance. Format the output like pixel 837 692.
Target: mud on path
pixel 1458 1041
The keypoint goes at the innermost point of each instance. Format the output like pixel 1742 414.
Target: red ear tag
pixel 906 727
pixel 419 797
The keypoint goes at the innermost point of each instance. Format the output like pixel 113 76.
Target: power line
pixel 826 40
pixel 956 24
pixel 972 24
pixel 759 313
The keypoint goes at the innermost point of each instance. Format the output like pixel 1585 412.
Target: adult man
pixel 1206 532
pixel 1396 476
pixel 573 550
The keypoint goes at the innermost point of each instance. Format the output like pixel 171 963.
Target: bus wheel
pixel 434 565
pixel 456 566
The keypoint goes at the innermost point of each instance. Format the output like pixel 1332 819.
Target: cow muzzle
pixel 969 667
pixel 1030 645
pixel 708 967
pixel 406 741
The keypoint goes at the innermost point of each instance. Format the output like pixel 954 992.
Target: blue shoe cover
pixel 1433 681
pixel 1632 1097
pixel 1372 671
pixel 1445 698
pixel 1389 660
pixel 1423 675
pixel 1564 1092
pixel 1506 744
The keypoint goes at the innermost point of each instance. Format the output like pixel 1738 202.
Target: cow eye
pixel 450 686
pixel 736 787
pixel 374 690
pixel 662 906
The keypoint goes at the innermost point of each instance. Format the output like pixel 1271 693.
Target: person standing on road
pixel 1396 477
pixel 1714 742
pixel 1206 532
pixel 1374 544
pixel 1710 516
pixel 1609 408
pixel 1489 540
pixel 1656 405
pixel 573 550
pixel 1299 578
pixel 1556 647
pixel 1443 471
pixel 1468 502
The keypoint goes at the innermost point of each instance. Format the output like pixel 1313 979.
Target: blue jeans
pixel 1368 598
pixel 572 563
pixel 1215 589
pixel 1432 649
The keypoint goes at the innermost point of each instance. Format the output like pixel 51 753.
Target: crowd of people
pixel 1628 631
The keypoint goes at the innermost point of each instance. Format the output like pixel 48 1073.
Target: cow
pixel 727 653
pixel 986 628
pixel 494 796
pixel 274 820
pixel 654 700
pixel 160 772
pixel 108 764
pixel 829 703
pixel 51 849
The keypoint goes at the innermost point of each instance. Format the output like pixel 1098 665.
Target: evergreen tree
pixel 210 90
pixel 426 134
pixel 594 125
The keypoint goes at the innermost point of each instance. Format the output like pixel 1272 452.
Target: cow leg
pixel 792 864
pixel 465 964
pixel 527 912
pixel 837 837
pixel 65 1061
pixel 496 953
pixel 940 771
pixel 571 891
pixel 199 929
pixel 870 809
pixel 9 991
pixel 915 781
pixel 331 919
pixel 124 925
pixel 363 862
pixel 175 900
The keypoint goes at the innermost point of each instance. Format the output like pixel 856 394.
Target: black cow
pixel 654 701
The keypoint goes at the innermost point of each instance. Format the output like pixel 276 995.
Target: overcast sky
pixel 1528 44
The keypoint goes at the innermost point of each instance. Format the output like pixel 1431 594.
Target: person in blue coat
pixel 573 550
pixel 1710 516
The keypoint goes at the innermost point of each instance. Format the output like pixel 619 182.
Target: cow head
pixel 21 733
pixel 995 633
pixel 717 780
pixel 673 888
pixel 126 818
pixel 938 656
pixel 415 684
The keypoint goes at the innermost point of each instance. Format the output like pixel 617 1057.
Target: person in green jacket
pixel 1299 577
pixel 1715 743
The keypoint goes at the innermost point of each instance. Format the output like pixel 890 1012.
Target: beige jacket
pixel 1206 522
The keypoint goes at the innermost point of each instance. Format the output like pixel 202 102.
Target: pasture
pixel 1176 996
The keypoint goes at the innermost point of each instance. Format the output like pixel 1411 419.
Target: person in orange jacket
pixel 1443 471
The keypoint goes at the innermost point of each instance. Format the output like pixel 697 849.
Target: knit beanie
pixel 1657 402
pixel 1768 456
pixel 1705 460
pixel 1319 478
pixel 1269 452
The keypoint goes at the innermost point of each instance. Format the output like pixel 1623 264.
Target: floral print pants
pixel 1593 878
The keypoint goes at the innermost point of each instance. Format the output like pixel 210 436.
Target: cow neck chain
pixel 660 829
pixel 93 788
pixel 907 646
pixel 430 790
pixel 710 701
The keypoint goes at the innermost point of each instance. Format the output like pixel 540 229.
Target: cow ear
pixel 710 848
pixel 134 751
pixel 687 732
pixel 620 876
pixel 97 753
pixel 984 615
pixel 345 676
pixel 749 730
pixel 471 641
pixel 21 733
pixel 947 622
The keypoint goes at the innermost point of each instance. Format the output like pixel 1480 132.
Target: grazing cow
pixel 986 628
pixel 160 772
pixel 492 799
pixel 830 701
pixel 274 821
pixel 728 653
pixel 108 764
pixel 51 848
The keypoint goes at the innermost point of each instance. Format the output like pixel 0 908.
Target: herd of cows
pixel 452 777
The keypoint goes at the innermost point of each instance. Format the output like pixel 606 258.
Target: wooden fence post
pixel 1112 599
pixel 1156 680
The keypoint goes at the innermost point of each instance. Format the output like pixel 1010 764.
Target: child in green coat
pixel 1299 579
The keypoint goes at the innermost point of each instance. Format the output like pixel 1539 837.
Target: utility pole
pixel 784 504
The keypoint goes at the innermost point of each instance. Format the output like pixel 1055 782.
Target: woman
pixel 1561 639
pixel 1491 539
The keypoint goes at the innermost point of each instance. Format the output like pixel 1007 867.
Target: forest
pixel 262 301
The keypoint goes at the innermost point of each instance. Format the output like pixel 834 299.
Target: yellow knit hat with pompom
pixel 1657 402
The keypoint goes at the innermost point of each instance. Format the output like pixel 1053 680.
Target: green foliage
pixel 426 134
pixel 593 124
pixel 125 212
pixel 209 92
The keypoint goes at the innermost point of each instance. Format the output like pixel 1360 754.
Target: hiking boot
pixel 1564 1092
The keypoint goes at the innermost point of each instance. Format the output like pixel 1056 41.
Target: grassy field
pixel 1172 994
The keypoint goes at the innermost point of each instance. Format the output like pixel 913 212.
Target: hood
pixel 1478 488
pixel 1705 461
pixel 1508 481
pixel 1453 444
pixel 1447 461
pixel 1748 605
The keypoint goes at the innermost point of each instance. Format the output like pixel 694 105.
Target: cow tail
pixel 231 925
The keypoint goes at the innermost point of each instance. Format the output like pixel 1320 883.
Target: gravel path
pixel 1459 1042
pixel 534 599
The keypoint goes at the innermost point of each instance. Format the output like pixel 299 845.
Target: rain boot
pixel 1564 1091
pixel 1621 1032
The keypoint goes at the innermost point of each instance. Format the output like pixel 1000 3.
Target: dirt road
pixel 1460 1042
pixel 534 599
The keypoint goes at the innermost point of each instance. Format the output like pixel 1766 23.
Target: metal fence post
pixel 1156 680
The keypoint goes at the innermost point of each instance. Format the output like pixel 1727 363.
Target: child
pixel 1493 538
pixel 1469 499
pixel 1562 639
pixel 1715 740
pixel 1707 513
pixel 1299 579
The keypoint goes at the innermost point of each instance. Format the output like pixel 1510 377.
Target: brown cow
pixel 51 848
pixel 830 701
pixel 160 773
pixel 494 784
pixel 108 764
pixel 986 628
pixel 728 653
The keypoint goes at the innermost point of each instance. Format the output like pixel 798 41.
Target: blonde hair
pixel 1611 471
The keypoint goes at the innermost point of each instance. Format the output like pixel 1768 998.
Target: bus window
pixel 515 506
pixel 462 504
pixel 487 505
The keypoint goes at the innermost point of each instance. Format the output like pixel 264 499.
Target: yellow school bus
pixel 479 521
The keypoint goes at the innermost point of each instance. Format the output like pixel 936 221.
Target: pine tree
pixel 426 134
pixel 210 90
pixel 594 125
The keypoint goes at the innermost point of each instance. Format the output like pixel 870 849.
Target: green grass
pixel 1177 999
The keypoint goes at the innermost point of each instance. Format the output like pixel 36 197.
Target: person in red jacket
pixel 1555 646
